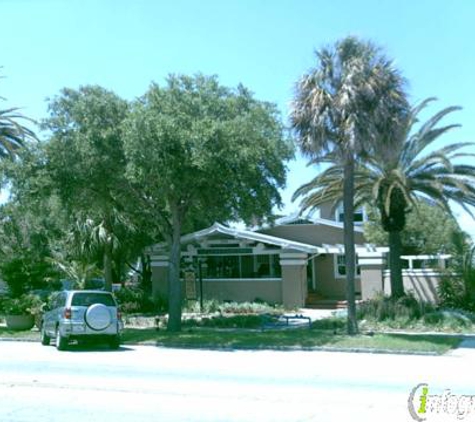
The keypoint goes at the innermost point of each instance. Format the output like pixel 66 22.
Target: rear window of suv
pixel 88 299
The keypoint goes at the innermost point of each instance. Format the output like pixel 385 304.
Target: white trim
pixel 248 235
pixel 287 262
pixel 371 261
pixel 292 255
pixel 442 256
pixel 285 221
pixel 159 264
pixel 245 280
pixel 314 273
pixel 335 267
pixel 360 210
pixel 427 272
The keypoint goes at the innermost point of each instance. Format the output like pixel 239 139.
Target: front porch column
pixel 159 264
pixel 294 279
pixel 372 279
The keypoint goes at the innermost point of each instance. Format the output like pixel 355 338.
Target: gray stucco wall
pixel 312 234
pixel 159 282
pixel 373 282
pixel 234 290
pixel 243 291
pixel 294 285
pixel 327 284
pixel 423 284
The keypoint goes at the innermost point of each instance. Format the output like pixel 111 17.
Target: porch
pixel 239 265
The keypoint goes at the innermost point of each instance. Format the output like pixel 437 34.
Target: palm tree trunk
pixel 174 284
pixel 349 241
pixel 395 269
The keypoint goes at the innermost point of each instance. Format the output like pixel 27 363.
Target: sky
pixel 123 45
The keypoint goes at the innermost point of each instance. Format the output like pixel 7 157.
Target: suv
pixel 81 314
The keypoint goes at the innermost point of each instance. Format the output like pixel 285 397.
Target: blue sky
pixel 266 45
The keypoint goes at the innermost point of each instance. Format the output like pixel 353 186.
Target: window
pixel 88 299
pixel 359 217
pixel 340 267
pixel 241 266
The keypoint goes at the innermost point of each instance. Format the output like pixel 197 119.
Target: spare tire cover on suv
pixel 98 317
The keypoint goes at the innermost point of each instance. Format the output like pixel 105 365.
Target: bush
pixel 453 292
pixel 213 305
pixel 236 321
pixel 457 287
pixel 23 274
pixel 384 308
pixel 454 320
pixel 333 323
pixel 209 306
pixel 134 300
pixel 257 307
pixel 22 305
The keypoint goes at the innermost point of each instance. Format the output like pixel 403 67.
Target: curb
pixel 20 340
pixel 259 349
pixel 298 349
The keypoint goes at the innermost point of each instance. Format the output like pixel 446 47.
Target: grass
pixel 285 339
pixel 21 335
pixel 327 333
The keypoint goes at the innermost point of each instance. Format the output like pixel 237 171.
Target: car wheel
pixel 114 342
pixel 45 340
pixel 61 342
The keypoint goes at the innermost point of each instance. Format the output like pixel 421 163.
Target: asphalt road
pixel 154 384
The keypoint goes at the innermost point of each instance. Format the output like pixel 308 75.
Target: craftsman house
pixel 296 262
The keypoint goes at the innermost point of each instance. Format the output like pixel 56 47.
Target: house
pixel 294 262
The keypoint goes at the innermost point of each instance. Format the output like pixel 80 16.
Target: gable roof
pixel 250 235
pixel 236 233
pixel 297 218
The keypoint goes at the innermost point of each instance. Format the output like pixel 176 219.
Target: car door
pixel 50 317
pixel 47 314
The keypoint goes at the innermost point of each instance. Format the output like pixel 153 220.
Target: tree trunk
pixel 108 266
pixel 146 274
pixel 174 284
pixel 349 241
pixel 395 269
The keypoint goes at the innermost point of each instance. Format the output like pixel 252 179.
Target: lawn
pixel 291 339
pixel 325 334
pixel 19 335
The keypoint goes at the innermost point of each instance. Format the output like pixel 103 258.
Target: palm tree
pixel 395 178
pixel 337 110
pixel 12 133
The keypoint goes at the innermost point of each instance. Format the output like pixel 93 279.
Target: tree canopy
pixel 199 152
pixel 394 179
pixel 87 165
pixel 428 230
pixel 344 107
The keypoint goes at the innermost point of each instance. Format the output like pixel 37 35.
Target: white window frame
pixel 360 210
pixel 336 264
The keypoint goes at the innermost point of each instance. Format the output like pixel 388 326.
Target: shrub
pixel 384 308
pixel 134 300
pixel 194 306
pixel 333 323
pixel 451 319
pixel 259 307
pixel 453 293
pixel 23 274
pixel 236 321
pixel 22 305
pixel 457 287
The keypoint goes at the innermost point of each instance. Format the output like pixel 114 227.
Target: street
pixel 39 383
